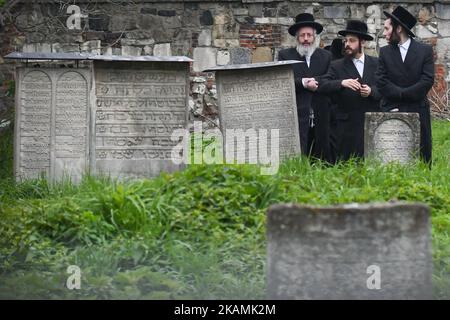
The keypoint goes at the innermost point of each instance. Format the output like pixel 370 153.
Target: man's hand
pixel 352 84
pixel 310 84
pixel 365 91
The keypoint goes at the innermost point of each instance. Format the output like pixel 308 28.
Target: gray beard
pixel 306 50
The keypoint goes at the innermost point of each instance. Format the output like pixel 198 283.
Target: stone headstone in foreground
pixel 392 136
pixel 370 251
pixel 52 123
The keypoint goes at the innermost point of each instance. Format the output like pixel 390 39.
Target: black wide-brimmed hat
pixel 304 20
pixel 404 18
pixel 358 28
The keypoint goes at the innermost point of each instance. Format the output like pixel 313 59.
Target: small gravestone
pixel 355 251
pixel 139 103
pixel 392 136
pixel 52 121
pixel 254 97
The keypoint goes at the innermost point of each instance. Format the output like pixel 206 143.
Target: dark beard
pixel 354 52
pixel 395 38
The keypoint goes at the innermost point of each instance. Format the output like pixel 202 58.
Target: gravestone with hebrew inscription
pixel 354 251
pixel 253 98
pixel 138 105
pixel 52 122
pixel 119 125
pixel 392 136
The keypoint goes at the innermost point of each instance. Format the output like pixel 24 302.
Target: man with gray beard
pixel 312 107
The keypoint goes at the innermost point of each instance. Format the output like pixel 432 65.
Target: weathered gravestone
pixel 355 251
pixel 257 96
pixel 119 125
pixel 52 116
pixel 138 105
pixel 392 136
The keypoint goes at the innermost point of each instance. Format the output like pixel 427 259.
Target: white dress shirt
pixel 308 60
pixel 359 64
pixel 404 48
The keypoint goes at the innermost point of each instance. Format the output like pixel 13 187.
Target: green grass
pixel 198 234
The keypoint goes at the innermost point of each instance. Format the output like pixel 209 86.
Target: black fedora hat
pixel 404 18
pixel 304 20
pixel 358 28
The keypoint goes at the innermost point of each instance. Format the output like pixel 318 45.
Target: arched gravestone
pixel 33 125
pixel 51 135
pixel 71 125
pixel 392 136
pixel 354 251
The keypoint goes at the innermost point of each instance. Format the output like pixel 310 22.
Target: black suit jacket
pixel 404 85
pixel 319 63
pixel 351 107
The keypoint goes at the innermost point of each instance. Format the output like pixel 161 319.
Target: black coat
pixel 351 107
pixel 306 99
pixel 404 85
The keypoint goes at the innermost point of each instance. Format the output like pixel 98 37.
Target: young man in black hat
pixel 312 107
pixel 351 81
pixel 406 73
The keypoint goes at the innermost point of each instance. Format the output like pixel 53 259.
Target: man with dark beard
pixel 312 107
pixel 351 81
pixel 406 73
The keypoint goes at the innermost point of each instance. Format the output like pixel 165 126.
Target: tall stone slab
pixel 254 97
pixel 138 105
pixel 392 136
pixel 52 123
pixel 33 123
pixel 354 251
pixel 71 123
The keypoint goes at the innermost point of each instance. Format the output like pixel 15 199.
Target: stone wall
pixel 211 32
